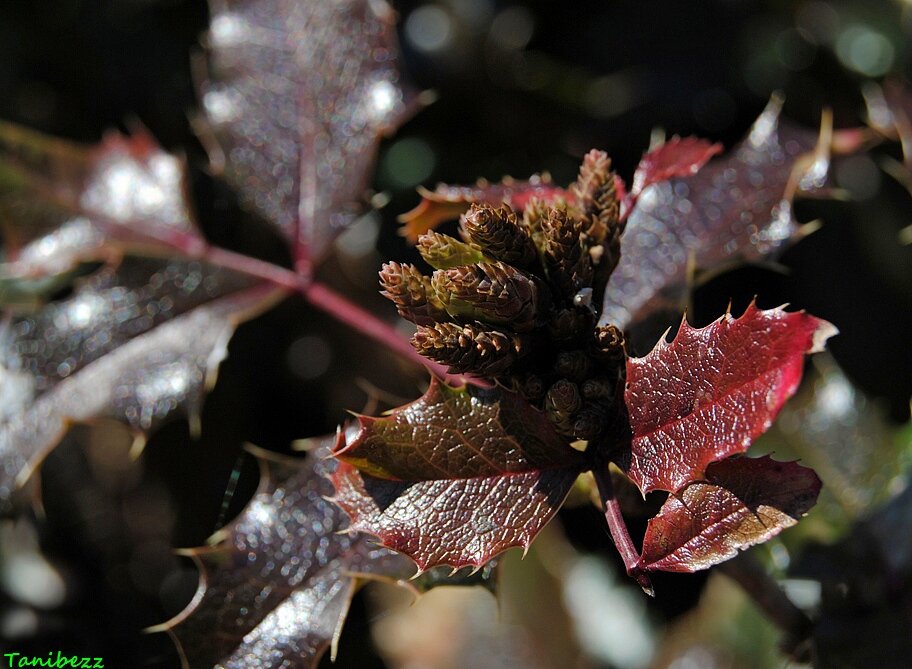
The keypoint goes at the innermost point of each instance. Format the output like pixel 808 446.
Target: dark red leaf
pixel 675 158
pixel 298 97
pixel 466 475
pixel 133 343
pixel 276 583
pixel 711 391
pixel 744 501
pixel 446 203
pixel 736 208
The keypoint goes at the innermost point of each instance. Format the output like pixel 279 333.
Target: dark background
pixel 520 88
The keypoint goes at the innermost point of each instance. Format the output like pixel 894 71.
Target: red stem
pixel 619 533
pixel 324 298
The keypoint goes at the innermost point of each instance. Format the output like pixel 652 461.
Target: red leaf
pixel 446 203
pixel 277 581
pixel 736 208
pixel 711 391
pixel 466 475
pixel 675 158
pixel 298 97
pixel 744 501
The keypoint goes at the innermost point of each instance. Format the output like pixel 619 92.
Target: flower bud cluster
pixel 517 300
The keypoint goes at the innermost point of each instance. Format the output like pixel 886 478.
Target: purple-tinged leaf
pixel 275 584
pixel 298 96
pixel 446 203
pixel 738 207
pixel 675 158
pixel 744 501
pixel 709 393
pixel 466 474
pixel 62 203
pixel 133 343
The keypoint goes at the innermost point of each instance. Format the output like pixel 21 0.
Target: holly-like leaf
pixel 446 202
pixel 675 158
pixel 744 501
pixel 133 343
pixel 709 393
pixel 456 477
pixel 275 584
pixel 738 207
pixel 62 203
pixel 297 98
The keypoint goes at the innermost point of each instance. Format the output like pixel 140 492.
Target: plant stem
pixel 753 578
pixel 618 528
pixel 324 298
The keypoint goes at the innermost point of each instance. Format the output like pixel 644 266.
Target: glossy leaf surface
pixel 744 501
pixel 132 343
pixel 276 583
pixel 466 475
pixel 297 98
pixel 709 393
pixel 736 208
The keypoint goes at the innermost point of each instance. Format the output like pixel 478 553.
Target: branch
pixel 769 597
pixel 618 528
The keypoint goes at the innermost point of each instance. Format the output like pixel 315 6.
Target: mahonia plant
pixel 464 473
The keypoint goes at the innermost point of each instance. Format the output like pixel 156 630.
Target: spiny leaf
pixel 675 158
pixel 709 393
pixel 456 477
pixel 62 203
pixel 297 98
pixel 133 343
pixel 744 501
pixel 736 208
pixel 275 584
pixel 446 203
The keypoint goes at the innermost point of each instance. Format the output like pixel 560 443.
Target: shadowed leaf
pixel 62 203
pixel 744 501
pixel 736 208
pixel 132 343
pixel 275 584
pixel 466 475
pixel 709 393
pixel 297 98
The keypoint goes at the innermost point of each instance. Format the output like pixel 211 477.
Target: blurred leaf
pixel 133 343
pixel 62 204
pixel 711 391
pixel 675 158
pixel 744 501
pixel 275 584
pixel 298 96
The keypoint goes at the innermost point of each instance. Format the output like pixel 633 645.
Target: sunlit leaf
pixel 276 583
pixel 466 474
pixel 297 98
pixel 711 391
pixel 744 501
